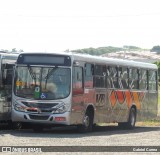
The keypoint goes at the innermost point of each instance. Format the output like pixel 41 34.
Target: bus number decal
pixel 100 99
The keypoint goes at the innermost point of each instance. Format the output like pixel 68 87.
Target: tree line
pixel 156 49
pixel 14 50
pixel 105 50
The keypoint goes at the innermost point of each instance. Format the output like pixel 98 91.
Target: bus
pixel 7 61
pixel 56 89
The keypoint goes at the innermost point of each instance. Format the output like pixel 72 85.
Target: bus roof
pixel 5 54
pixel 101 60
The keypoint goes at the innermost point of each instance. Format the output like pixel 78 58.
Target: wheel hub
pixel 86 121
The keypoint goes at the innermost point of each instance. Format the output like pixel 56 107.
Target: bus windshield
pixel 42 83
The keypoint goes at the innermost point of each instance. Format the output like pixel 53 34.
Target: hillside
pixel 143 56
pixel 126 52
pixel 104 50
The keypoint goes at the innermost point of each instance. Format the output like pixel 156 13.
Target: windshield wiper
pixel 50 72
pixel 32 74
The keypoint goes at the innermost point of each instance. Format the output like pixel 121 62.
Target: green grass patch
pixel 152 122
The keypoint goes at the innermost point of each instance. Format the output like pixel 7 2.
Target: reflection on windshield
pixel 42 82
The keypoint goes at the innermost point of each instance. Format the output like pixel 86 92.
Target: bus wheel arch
pixel 88 119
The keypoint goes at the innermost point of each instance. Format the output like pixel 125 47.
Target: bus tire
pixel 15 125
pixel 87 125
pixel 132 119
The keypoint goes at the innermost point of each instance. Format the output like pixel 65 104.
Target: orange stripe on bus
pixel 113 99
pixel 141 96
pixel 120 97
pixel 136 100
pixel 128 98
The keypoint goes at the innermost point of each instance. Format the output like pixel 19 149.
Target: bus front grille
pixel 36 117
pixel 39 105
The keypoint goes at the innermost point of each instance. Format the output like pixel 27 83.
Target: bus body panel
pixel 110 104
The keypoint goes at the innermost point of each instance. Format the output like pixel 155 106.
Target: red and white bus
pixel 82 90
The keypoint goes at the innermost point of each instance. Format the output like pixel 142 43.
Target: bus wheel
pixel 87 125
pixel 132 119
pixel 16 125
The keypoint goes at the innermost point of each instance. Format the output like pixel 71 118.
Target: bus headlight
pixel 19 108
pixel 60 109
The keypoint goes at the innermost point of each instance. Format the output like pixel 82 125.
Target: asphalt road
pixel 67 136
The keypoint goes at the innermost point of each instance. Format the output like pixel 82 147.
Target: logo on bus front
pixel 43 95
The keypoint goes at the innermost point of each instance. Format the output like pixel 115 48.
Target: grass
pixel 148 123
pixel 153 122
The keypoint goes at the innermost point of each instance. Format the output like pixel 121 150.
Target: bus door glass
pixel 77 80
pixel 6 88
pixel 88 78
pixel 78 93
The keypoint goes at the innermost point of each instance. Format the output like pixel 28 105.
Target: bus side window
pixel 112 77
pixel 152 80
pixel 77 80
pixel 88 78
pixel 100 76
pixel 143 79
pixel 123 77
pixel 133 78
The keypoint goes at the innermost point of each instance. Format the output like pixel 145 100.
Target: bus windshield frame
pixel 42 82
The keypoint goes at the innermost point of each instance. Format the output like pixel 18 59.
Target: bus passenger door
pixel 6 91
pixel 89 91
pixel 77 95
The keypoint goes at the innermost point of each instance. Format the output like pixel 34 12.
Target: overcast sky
pixel 57 25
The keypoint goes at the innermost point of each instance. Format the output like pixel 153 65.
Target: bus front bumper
pixel 63 119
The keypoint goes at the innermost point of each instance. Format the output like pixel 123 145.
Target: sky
pixel 59 25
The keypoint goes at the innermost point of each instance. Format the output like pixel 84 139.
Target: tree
pixel 131 47
pixel 156 49
pixel 20 51
pixel 14 50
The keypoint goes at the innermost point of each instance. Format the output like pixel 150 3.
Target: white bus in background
pixel 52 89
pixel 7 61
